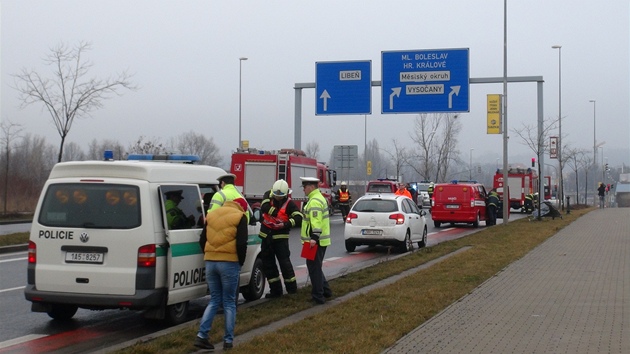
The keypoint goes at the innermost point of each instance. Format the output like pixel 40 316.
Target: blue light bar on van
pixel 108 155
pixel 164 158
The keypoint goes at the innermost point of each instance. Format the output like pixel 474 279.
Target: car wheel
pixel 425 238
pixel 256 286
pixel 62 312
pixel 176 313
pixel 437 224
pixel 350 247
pixel 476 223
pixel 407 244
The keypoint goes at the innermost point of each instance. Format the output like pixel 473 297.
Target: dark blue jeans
pixel 222 278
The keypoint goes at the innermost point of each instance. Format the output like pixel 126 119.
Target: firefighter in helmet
pixel 493 205
pixel 344 199
pixel 279 215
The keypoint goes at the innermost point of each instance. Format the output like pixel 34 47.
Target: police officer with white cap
pixel 316 232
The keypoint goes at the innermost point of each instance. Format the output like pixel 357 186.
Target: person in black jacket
pixel 279 215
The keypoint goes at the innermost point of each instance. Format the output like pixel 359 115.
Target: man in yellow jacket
pixel 316 231
pixel 224 254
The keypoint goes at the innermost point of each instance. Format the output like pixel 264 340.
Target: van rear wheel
pixel 256 286
pixel 176 313
pixel 62 312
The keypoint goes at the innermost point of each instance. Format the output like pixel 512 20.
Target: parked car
pixel 382 185
pixel 459 202
pixel 422 189
pixel 385 219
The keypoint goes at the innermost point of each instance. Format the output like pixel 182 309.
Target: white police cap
pixel 309 180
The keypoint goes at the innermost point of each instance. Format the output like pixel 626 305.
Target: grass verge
pixel 14 239
pixel 372 322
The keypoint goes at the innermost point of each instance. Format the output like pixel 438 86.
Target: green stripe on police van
pixel 191 248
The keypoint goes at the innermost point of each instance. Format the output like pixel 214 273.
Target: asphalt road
pixel 38 333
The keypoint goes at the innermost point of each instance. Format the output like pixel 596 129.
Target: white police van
pixel 101 240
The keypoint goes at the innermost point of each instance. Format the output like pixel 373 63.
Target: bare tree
pixel 69 93
pixel 153 146
pixel 96 149
pixel 197 144
pixel 312 150
pixel 436 141
pixel 10 132
pixel 399 157
pixel 73 152
pixel 380 165
pixel 530 138
pixel 36 159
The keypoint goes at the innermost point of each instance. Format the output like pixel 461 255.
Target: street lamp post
pixel 561 191
pixel 470 165
pixel 240 70
pixel 594 135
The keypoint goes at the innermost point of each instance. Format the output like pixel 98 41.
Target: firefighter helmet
pixel 280 188
pixel 343 183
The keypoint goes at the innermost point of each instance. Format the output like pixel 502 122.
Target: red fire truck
pixel 257 170
pixel 521 182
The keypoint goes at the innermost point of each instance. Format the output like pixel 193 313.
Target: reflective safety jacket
pixel 404 192
pixel 343 197
pixel 316 223
pixel 493 199
pixel 175 216
pixel 228 192
pixel 276 212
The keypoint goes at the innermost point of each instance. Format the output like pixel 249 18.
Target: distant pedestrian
pixel 601 192
pixel 430 190
pixel 344 200
pixel 316 232
pixel 224 249
pixel 402 190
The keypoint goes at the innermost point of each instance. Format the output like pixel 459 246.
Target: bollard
pixel 568 205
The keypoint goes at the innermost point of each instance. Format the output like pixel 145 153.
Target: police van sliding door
pixel 183 219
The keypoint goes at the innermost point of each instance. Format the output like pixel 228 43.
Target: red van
pixel 458 202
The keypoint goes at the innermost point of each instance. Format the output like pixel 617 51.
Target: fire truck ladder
pixel 283 161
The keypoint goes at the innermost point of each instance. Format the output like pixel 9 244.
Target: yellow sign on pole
pixel 369 168
pixel 245 144
pixel 494 113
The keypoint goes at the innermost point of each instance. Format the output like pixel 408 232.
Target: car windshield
pixel 375 206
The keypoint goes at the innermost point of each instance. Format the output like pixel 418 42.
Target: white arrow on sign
pixel 395 92
pixel 454 90
pixel 325 96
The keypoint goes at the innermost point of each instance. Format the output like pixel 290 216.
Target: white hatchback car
pixel 385 219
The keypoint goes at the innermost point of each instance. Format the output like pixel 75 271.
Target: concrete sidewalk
pixel 571 294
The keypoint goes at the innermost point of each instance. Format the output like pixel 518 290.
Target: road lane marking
pixel 20 340
pixel 12 289
pixel 13 260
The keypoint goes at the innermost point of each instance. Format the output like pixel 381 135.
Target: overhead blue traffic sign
pixel 343 87
pixel 425 81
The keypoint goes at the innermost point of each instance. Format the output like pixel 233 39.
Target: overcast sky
pixel 185 59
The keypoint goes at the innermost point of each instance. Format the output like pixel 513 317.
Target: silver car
pixel 385 219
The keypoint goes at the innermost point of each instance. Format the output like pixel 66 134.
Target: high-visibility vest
pixel 344 196
pixel 316 219
pixel 282 217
